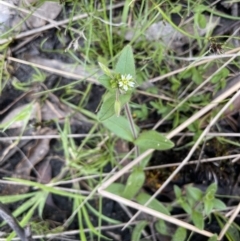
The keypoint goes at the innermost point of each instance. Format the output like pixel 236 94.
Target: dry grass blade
pixel 225 228
pixel 53 70
pixel 154 213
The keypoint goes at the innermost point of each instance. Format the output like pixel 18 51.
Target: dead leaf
pixel 35 154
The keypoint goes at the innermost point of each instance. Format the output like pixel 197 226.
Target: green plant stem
pixel 132 126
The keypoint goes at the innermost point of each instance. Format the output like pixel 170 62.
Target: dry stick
pixel 154 213
pixel 52 70
pixel 227 225
pixel 210 134
pixel 204 160
pixel 195 91
pixel 59 23
pixel 236 159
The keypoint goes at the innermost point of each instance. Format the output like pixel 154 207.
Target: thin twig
pixel 154 213
pixel 53 70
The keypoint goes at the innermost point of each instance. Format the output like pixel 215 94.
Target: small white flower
pixel 126 82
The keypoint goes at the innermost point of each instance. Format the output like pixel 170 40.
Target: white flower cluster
pixel 126 82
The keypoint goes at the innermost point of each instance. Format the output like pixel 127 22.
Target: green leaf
pixel 180 234
pixel 125 64
pixel 202 22
pixel 184 204
pixel 213 238
pixel 200 8
pixel 196 76
pixel 137 231
pixel 105 69
pixel 208 206
pixel 220 75
pixel 142 198
pixel 124 98
pixel 111 106
pixel 15 198
pixel 175 84
pixel 105 81
pixel 120 127
pixel 194 193
pixel 176 9
pixel 185 74
pixel 107 109
pixel 153 140
pixel 42 203
pixel 182 200
pixel 192 202
pixel 144 161
pixel 177 191
pixel 117 107
pixel 218 204
pixel 134 183
pixel 116 188
pixel 161 227
pixel 198 219
pixel 176 119
pixel 19 117
pixel 211 191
